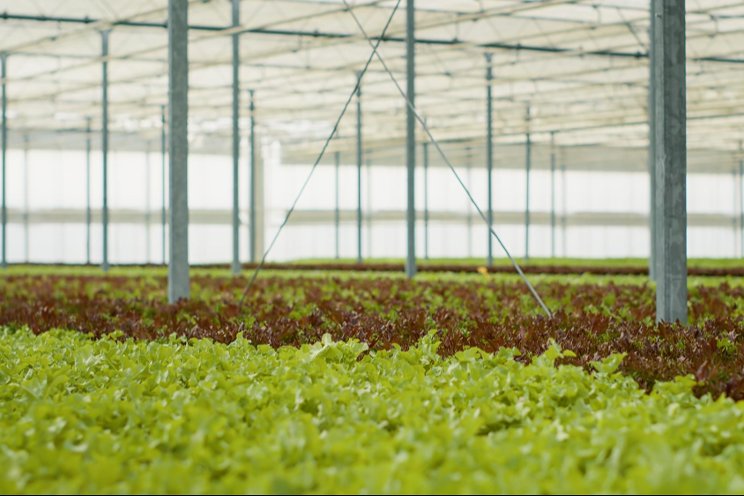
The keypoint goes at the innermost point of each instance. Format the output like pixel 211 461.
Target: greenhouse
pixel 371 246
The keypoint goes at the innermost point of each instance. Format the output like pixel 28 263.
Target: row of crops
pixel 337 383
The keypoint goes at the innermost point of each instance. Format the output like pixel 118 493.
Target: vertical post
pixel 253 251
pixel 369 204
pixel 735 211
pixel 564 210
pixel 741 211
pixel 670 161
pixel 741 199
pixel 88 212
pixel 4 70
pixel 489 153
pixel 425 150
pixel 104 148
pixel 148 205
pixel 359 165
pixel 552 194
pixel 26 244
pixel 178 102
pixel 337 209
pixel 411 137
pixel 652 143
pixel 235 139
pixel 469 179
pixel 527 166
pixel 163 168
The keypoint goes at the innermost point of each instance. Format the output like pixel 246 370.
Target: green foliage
pixel 193 416
pixel 489 312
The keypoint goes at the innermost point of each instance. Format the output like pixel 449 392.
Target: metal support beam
pixel 652 144
pixel 425 150
pixel 253 226
pixel 670 155
pixel 411 137
pixel 4 206
pixel 735 212
pixel 564 209
pixel 552 194
pixel 359 158
pixel 527 166
pixel 469 180
pixel 741 200
pixel 148 204
pixel 163 169
pixel 368 217
pixel 337 210
pixel 741 212
pixel 489 154
pixel 178 103
pixel 316 34
pixel 26 237
pixel 235 140
pixel 88 209
pixel 105 147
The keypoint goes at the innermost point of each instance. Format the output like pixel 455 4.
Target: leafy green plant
pixel 194 416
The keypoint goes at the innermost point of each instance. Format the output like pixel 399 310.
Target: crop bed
pixel 338 382
pixel 620 267
pixel 194 416
pixel 460 268
pixel 594 320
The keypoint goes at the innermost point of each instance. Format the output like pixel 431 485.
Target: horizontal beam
pixel 87 20
pixel 223 217
pixel 340 36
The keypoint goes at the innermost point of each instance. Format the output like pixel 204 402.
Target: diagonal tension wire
pixel 447 161
pixel 322 152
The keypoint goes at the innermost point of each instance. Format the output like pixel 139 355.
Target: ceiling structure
pixel 576 70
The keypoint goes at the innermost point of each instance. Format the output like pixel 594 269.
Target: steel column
pixel 88 212
pixel 552 194
pixel 163 168
pixel 4 207
pixel 411 138
pixel 489 153
pixel 26 244
pixel 564 210
pixel 235 139
pixel 253 245
pixel 178 83
pixel 469 179
pixel 735 211
pixel 741 199
pixel 369 204
pixel 337 208
pixel 148 204
pixel 652 144
pixel 670 153
pixel 528 166
pixel 359 157
pixel 425 150
pixel 104 148
pixel 741 211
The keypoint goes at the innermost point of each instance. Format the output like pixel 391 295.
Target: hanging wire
pixel 360 75
pixel 447 161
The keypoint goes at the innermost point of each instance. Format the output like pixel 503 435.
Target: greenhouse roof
pixel 571 69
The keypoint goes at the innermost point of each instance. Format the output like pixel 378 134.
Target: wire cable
pixel 447 161
pixel 360 75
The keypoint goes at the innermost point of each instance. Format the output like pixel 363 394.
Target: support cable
pixel 328 140
pixel 446 160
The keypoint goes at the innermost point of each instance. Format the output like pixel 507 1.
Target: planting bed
pixel 199 417
pixel 594 319
pixel 334 382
